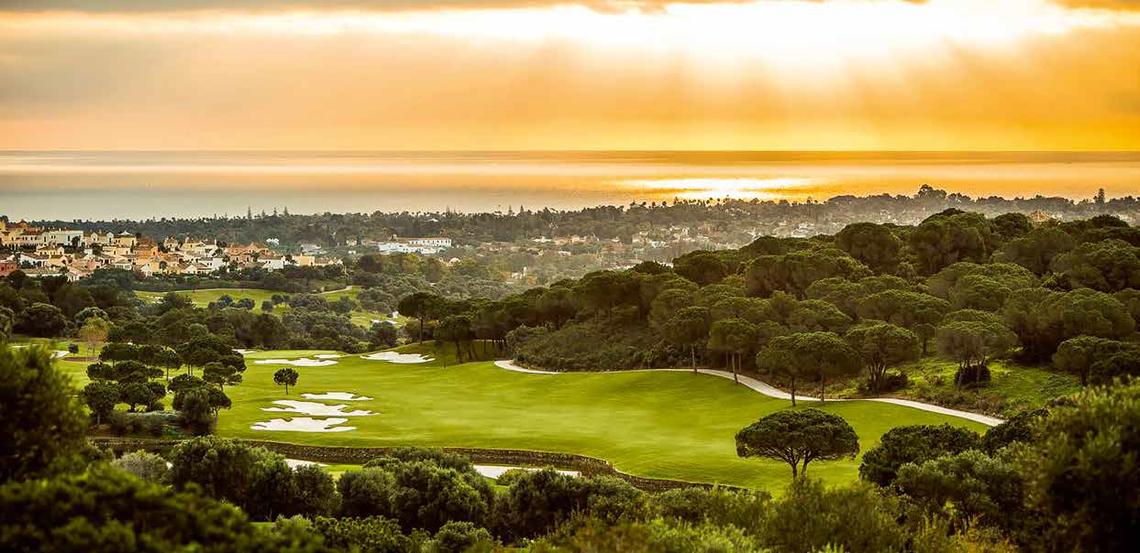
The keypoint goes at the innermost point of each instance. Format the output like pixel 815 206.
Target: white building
pixel 63 237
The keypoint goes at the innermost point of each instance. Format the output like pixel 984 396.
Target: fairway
pixel 657 424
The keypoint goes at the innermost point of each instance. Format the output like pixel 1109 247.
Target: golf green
pixel 656 424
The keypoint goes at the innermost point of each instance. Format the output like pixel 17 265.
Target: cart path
pixel 771 391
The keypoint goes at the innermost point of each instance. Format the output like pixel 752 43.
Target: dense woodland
pixel 605 222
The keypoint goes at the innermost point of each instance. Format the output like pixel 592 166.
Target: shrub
pixel 148 466
pixel 458 537
pixel 316 492
pixel 912 444
pixel 510 477
pixel 810 517
pixel 369 534
pixel 719 506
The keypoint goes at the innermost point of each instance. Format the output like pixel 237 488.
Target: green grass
pixel 656 424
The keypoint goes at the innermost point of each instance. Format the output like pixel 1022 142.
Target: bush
pixel 912 444
pixel 510 477
pixel 316 492
pixel 73 348
pixel 719 506
pixel 810 517
pixel 418 494
pixel 148 466
pixel 458 537
pixel 369 534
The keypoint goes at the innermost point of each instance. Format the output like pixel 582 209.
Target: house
pixel 63 237
pixel 8 266
pixel 273 262
pixel 126 240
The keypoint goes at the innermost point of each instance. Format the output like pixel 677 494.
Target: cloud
pixel 151 6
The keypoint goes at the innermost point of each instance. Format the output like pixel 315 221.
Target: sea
pixel 107 185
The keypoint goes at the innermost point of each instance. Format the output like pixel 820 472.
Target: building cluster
pixel 76 254
pixel 427 246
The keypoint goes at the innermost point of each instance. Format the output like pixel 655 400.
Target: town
pixel 39 252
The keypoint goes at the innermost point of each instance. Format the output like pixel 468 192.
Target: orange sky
pixel 539 74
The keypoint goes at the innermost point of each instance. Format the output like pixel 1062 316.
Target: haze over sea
pixel 68 185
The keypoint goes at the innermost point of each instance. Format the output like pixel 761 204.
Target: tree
pixel 793 272
pixel 600 290
pixel 557 305
pixel 978 292
pixel 137 393
pixel 817 316
pixel 798 437
pixel 971 344
pixel 42 320
pixel 285 377
pixel 1037 249
pixel 457 329
pixel 701 267
pixel 882 346
pixel 41 418
pixel 111 510
pixel 101 398
pixel 419 305
pixel 943 239
pixel 873 245
pixel 1078 355
pixel 818 354
pixel 93 332
pixel 7 320
pixel 736 337
pixel 1081 475
pixel 1043 318
pixel 903 308
pixel 912 444
pixel 687 328
pixel 988 489
pixel 1123 366
pixel 1106 265
pixel 222 374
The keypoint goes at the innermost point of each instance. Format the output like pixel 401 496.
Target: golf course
pixel 658 424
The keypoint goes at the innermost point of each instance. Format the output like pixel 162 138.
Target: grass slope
pixel 657 424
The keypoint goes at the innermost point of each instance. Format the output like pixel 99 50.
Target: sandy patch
pixel 294 463
pixel 328 356
pixel 245 351
pixel 342 396
pixel 302 362
pixel 60 354
pixel 495 471
pixel 393 357
pixel 315 409
pixel 303 424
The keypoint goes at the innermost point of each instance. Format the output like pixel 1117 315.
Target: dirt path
pixel 771 391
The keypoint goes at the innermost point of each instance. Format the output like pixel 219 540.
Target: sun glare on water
pixel 707 188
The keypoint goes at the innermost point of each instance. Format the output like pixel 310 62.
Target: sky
pixel 566 74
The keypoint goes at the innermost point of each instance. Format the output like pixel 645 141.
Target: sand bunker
pixel 294 463
pixel 342 396
pixel 302 362
pixel 60 354
pixel 315 409
pixel 393 357
pixel 303 424
pixel 328 356
pixel 495 471
pixel 245 351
